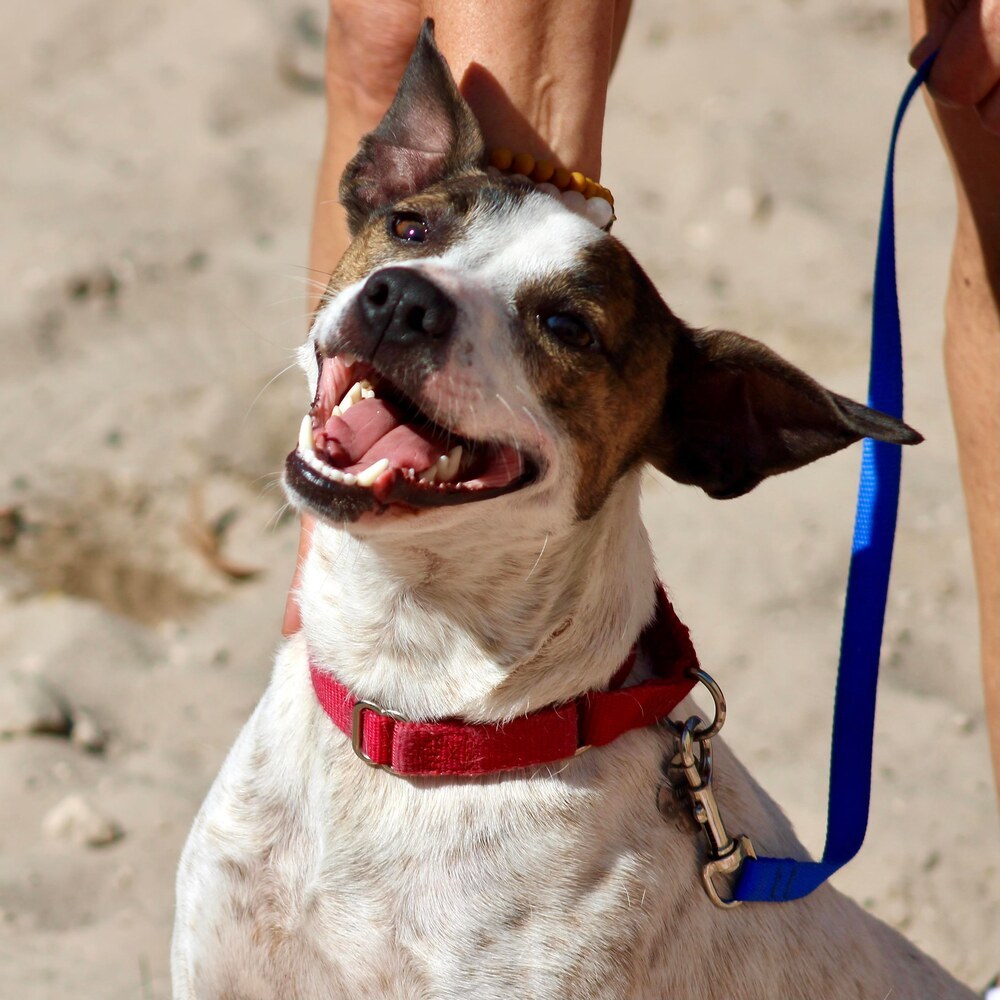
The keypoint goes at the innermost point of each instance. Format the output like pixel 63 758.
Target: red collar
pixel 452 747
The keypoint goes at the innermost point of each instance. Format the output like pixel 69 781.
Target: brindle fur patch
pixel 450 209
pixel 608 399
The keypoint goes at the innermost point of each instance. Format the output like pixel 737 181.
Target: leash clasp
pixel 727 864
pixel 726 854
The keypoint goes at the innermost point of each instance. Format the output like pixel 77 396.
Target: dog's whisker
pixel 299 316
pixel 266 386
pixel 308 279
pixel 270 477
pixel 317 270
pixel 539 559
pixel 284 300
pixel 274 520
pixel 531 417
pixel 505 404
pixel 269 488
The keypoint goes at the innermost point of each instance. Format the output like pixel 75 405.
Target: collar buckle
pixel 358 730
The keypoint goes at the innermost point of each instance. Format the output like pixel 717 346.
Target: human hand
pixel 966 72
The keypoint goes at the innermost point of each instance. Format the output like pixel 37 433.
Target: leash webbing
pixel 779 879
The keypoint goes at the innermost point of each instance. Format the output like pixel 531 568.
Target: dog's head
pixel 482 345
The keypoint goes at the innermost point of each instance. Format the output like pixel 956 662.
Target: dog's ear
pixel 428 133
pixel 735 412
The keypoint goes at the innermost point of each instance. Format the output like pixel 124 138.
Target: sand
pixel 155 194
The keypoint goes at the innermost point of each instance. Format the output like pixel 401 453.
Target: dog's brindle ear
pixel 735 413
pixel 429 133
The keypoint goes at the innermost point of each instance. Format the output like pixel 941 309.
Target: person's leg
pixel 972 354
pixel 536 75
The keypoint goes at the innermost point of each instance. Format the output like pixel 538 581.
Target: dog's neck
pixel 481 624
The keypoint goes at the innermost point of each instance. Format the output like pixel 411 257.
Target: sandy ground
pixel 155 192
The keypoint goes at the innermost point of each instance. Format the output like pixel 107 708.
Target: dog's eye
pixel 574 331
pixel 408 228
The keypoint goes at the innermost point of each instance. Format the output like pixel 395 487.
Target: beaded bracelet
pixel 579 193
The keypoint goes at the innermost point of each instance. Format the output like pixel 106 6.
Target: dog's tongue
pixel 373 429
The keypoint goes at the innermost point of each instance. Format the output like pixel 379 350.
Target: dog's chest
pixel 346 881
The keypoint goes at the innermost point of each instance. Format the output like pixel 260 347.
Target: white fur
pixel 310 875
pixel 537 238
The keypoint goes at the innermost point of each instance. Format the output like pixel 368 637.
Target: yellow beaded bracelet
pixel 546 172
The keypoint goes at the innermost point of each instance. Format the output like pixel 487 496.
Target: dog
pixel 478 558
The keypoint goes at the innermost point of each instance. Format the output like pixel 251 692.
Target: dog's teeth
pixel 329 471
pixel 306 435
pixel 353 396
pixel 368 477
pixel 336 412
pixel 348 359
pixel 429 475
pixel 367 392
pixel 447 465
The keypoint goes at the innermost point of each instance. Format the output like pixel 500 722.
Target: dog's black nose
pixel 402 306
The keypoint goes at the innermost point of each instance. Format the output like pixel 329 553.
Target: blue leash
pixel 780 879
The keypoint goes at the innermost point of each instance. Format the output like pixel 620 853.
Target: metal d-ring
pixel 707 732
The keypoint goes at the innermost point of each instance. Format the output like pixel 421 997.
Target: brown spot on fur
pixel 433 564
pixel 484 941
pixel 561 628
pixel 242 910
pixel 518 918
pixel 608 399
pixel 236 870
pixel 710 408
pixel 259 756
pixel 270 936
pixel 448 209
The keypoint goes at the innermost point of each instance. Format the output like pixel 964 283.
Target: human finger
pixel 967 37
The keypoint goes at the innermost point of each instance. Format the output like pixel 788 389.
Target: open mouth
pixel 365 445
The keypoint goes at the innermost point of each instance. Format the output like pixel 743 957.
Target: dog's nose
pixel 401 305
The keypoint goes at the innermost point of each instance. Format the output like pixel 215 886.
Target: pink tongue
pixel 372 429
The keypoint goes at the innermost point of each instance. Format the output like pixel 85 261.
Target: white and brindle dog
pixel 478 555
